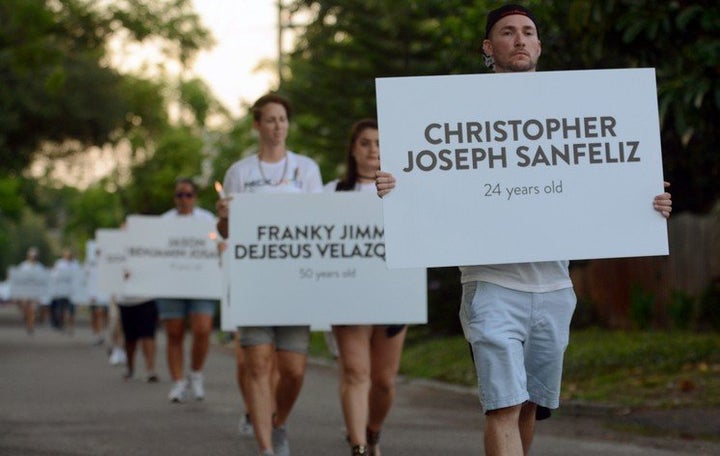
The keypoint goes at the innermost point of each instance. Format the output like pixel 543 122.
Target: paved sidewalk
pixel 59 396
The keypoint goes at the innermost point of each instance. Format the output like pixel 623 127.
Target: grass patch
pixel 660 369
pixel 624 368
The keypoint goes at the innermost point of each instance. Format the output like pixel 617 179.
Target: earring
pixel 489 61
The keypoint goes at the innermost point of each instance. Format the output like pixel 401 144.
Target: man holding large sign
pixel 515 311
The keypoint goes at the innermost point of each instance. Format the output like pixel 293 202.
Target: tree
pixel 178 152
pixel 330 75
pixel 346 44
pixel 57 92
pixel 681 40
pixel 96 207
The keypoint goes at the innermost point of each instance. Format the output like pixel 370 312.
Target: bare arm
pixel 223 211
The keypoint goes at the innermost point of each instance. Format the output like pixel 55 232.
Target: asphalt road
pixel 59 396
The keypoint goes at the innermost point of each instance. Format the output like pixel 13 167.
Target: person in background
pixel 62 309
pixel 176 312
pixel 245 425
pixel 29 306
pixel 116 351
pixel 98 321
pixel 519 366
pixel 139 319
pixel 274 169
pixel 369 355
pixel 98 301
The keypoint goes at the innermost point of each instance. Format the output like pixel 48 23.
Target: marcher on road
pixel 274 169
pixel 175 313
pixel 519 366
pixel 369 355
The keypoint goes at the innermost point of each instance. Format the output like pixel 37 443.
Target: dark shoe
pixel 373 441
pixel 360 450
pixel 152 378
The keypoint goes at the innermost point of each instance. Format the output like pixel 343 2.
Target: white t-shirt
pixel 63 263
pixel 198 213
pixel 28 265
pixel 62 273
pixel 294 174
pixel 538 277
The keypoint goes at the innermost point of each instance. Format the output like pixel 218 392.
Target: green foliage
pixel 16 236
pixel 622 368
pixel 235 144
pixel 55 84
pixel 642 368
pixel 174 22
pixel 11 202
pixel 681 310
pixel 347 44
pixel 642 305
pixel 178 153
pixel 594 351
pixel 709 307
pixel 147 110
pixel 677 368
pixel 681 40
pixel 197 97
pixel 585 315
pixel 446 359
pixel 96 207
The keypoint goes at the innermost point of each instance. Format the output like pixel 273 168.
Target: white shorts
pixel 518 341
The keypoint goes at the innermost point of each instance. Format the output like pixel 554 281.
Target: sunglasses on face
pixel 188 195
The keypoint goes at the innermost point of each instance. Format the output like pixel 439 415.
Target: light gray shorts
pixel 286 338
pixel 518 341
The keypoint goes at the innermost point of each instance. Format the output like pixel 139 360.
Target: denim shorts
pixel 182 308
pixel 285 338
pixel 518 341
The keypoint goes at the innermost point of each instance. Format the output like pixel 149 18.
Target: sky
pixel 246 33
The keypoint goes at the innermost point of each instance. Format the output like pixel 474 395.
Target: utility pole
pixel 281 29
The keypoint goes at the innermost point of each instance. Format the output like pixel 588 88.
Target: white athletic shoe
pixel 178 391
pixel 118 357
pixel 196 383
pixel 281 446
pixel 245 426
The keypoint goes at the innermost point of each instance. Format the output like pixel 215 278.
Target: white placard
pixel 519 167
pixel 94 295
pixel 172 258
pixel 80 293
pixel 315 259
pixel 31 283
pixel 111 261
pixel 62 281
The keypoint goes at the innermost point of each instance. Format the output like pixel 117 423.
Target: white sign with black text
pixel 174 257
pixel 29 283
pixel 111 261
pixel 521 167
pixel 315 259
